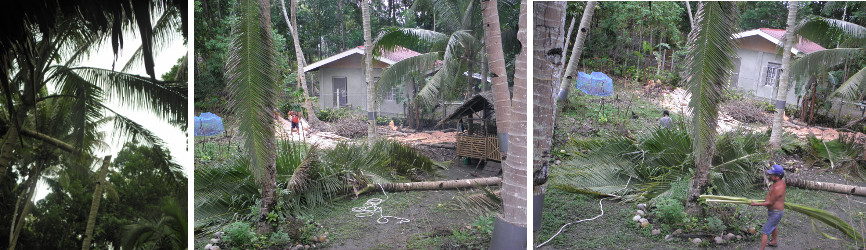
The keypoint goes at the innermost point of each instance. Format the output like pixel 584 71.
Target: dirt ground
pixel 431 213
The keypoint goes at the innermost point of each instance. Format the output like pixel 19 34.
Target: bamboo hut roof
pixel 476 103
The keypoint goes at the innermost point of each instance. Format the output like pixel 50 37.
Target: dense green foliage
pixel 142 180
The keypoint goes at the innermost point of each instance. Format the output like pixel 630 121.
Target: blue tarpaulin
pixel 597 84
pixel 208 124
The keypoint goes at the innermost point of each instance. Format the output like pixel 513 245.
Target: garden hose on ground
pixel 600 207
pixel 372 206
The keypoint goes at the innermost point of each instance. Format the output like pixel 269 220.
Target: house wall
pixel 352 67
pixel 755 54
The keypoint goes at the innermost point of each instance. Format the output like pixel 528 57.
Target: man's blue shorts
pixel 773 218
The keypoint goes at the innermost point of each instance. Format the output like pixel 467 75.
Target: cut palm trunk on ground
pixel 825 186
pixel 813 213
pixel 433 185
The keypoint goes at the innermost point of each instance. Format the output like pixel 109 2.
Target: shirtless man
pixel 775 203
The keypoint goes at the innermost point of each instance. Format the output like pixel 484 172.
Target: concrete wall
pixel 352 67
pixel 755 54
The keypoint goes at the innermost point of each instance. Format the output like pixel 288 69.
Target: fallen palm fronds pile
pixel 813 213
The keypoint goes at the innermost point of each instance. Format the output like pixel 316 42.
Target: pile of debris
pixel 677 101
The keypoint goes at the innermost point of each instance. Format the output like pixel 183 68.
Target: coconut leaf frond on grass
pixel 481 203
pixel 658 159
pixel 814 213
pixel 841 154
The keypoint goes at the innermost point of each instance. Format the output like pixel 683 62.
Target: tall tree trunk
pixel 568 39
pixel 6 149
pixel 826 186
pixel 691 18
pixel 564 86
pixel 342 25
pixel 782 91
pixel 510 227
pixel 299 56
pixel 496 62
pixel 547 68
pixel 436 185
pixel 94 204
pixel 18 224
pixel 368 71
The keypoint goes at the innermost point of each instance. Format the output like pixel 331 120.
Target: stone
pixel 696 241
pixel 678 231
pixel 718 240
pixel 729 236
pixel 739 237
pixel 669 237
pixel 306 246
pixel 215 248
pixel 636 218
pixel 299 246
pixel 641 206
pixel 640 212
pixel 656 232
pixel 218 234
pixel 314 239
pixel 207 247
pixel 644 224
pixel 557 162
pixel 642 220
pixel 214 241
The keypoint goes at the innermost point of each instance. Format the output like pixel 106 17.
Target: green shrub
pixel 484 224
pixel 239 234
pixel 280 238
pixel 332 114
pixel 715 225
pixel 670 210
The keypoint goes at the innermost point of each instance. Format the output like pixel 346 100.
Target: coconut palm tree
pixel 510 229
pixel 710 66
pixel 168 231
pixel 368 71
pixel 299 55
pixel 851 45
pixel 565 86
pixel 94 205
pixel 454 48
pixel 252 87
pixel 776 135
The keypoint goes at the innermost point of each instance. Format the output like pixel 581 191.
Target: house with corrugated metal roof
pixel 342 84
pixel 759 62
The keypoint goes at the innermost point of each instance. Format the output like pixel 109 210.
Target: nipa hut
pixel 476 129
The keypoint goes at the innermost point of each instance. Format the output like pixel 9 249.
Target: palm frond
pixel 854 88
pixel 481 203
pixel 165 30
pixel 814 63
pixel 251 78
pixel 824 30
pixel 396 74
pixel 411 38
pixel 710 66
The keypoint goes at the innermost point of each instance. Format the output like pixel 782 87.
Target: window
pixel 391 96
pixel 773 72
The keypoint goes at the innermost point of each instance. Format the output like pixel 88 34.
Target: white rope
pixel 600 207
pixel 372 206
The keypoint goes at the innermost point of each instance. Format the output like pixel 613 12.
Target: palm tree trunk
pixel 548 35
pixel 782 92
pixel 510 227
pixel 94 205
pixel 299 56
pixel 825 186
pixel 368 71
pixel 691 18
pixel 435 185
pixel 567 39
pixel 18 224
pixel 496 62
pixel 564 85
pixel 6 149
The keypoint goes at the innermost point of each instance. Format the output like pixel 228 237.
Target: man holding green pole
pixel 775 203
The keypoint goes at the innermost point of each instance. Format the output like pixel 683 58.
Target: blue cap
pixel 776 170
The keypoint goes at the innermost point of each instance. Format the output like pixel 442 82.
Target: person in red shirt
pixel 296 120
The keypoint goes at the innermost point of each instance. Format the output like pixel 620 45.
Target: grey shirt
pixel 665 122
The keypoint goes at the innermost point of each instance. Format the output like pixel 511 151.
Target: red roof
pixel 398 54
pixel 803 44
